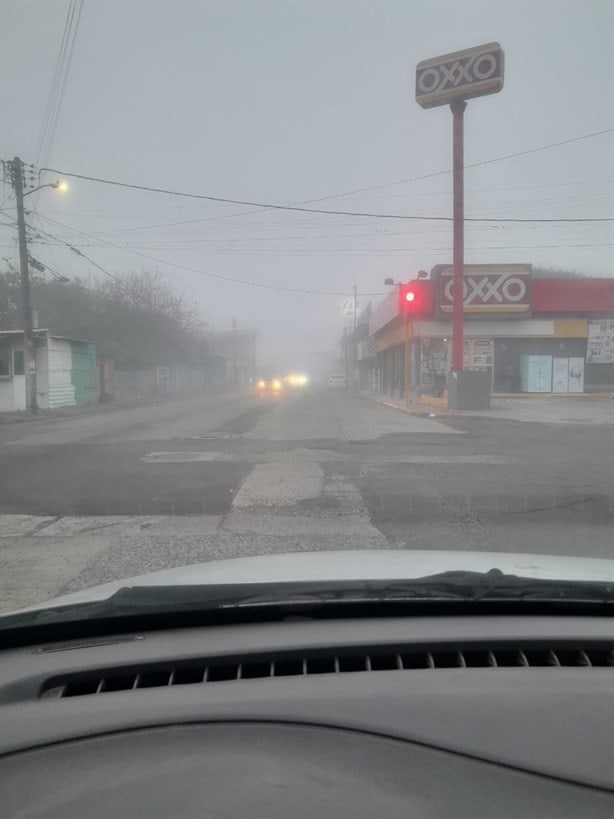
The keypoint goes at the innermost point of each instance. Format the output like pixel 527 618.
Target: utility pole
pixel 406 361
pixel 458 344
pixel 354 348
pixel 26 299
pixel 234 351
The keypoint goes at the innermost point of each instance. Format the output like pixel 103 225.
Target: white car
pixel 339 381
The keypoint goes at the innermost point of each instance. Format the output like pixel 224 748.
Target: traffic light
pixel 409 298
pixel 416 297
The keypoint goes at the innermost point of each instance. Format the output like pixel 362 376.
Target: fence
pixel 133 384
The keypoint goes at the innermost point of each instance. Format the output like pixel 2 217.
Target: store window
pixel 18 362
pixel 5 361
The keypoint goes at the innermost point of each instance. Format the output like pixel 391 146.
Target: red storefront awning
pixel 572 296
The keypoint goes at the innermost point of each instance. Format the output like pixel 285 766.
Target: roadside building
pixel 549 335
pixel 66 371
pixel 237 349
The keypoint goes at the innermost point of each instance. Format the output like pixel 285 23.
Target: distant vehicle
pixel 269 387
pixel 337 381
pixel 296 380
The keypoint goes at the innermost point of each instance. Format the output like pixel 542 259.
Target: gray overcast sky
pixel 285 102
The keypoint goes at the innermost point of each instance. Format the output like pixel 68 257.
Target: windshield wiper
pixel 297 596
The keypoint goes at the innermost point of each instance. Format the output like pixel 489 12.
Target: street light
pixel 59 185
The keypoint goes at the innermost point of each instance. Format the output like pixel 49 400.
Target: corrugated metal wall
pixel 61 388
pixel 84 372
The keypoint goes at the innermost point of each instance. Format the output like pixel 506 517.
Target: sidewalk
pixel 588 409
pixel 98 408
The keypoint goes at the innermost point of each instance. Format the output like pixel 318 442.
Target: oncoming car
pixel 296 380
pixel 269 387
pixel 337 381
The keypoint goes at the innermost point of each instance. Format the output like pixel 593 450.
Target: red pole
pixel 458 109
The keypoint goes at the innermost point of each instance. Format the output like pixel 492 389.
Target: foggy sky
pixel 285 102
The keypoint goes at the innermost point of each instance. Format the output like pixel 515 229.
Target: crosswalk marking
pixel 284 484
pixel 184 457
pixel 304 455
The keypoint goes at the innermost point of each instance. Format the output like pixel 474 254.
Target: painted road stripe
pixel 183 457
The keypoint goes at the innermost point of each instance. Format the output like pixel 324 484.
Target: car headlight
pixel 276 384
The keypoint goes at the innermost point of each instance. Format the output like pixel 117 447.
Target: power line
pixel 62 92
pixel 270 206
pixel 75 250
pixel 471 165
pixel 570 202
pixel 55 80
pixel 188 269
pixel 58 83
pixel 300 206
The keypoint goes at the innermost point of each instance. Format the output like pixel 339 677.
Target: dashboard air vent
pixel 332 661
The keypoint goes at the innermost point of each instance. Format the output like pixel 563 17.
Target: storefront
pixel 531 335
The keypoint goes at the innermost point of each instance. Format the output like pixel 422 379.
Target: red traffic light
pixel 415 297
pixel 409 298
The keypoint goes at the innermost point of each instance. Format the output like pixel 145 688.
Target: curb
pixel 546 395
pixel 422 413
pixel 433 412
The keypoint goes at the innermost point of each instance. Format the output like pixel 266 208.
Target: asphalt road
pixel 87 499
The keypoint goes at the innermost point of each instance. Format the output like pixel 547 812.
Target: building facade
pixel 66 371
pixel 550 335
pixel 237 350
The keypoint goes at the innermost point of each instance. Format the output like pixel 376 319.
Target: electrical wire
pixel 472 164
pixel 58 83
pixel 55 80
pixel 269 206
pixel 62 91
pixel 300 206
pixel 218 276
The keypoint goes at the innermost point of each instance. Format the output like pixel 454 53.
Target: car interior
pixel 417 716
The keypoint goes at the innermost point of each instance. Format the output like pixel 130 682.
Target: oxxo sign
pixel 489 289
pixel 461 75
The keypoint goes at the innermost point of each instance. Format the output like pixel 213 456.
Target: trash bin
pixel 469 390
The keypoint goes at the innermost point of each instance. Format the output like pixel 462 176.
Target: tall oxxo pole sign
pixel 451 80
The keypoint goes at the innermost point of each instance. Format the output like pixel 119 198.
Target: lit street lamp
pixel 59 185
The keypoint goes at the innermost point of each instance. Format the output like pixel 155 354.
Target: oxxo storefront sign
pixel 487 290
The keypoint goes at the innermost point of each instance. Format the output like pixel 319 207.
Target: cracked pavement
pixel 85 500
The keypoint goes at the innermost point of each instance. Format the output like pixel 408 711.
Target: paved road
pixel 84 500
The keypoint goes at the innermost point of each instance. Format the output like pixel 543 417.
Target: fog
pixel 296 102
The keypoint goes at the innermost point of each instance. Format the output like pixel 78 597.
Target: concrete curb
pixel 547 395
pixel 435 412
pixel 423 413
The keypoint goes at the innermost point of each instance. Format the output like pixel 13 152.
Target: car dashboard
pixel 497 716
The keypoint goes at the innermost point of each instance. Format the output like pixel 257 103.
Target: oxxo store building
pixel 532 335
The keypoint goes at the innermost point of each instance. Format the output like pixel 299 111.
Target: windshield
pixel 285 279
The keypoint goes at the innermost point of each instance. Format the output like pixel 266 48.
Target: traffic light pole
pixel 458 110
pixel 407 369
pixel 26 300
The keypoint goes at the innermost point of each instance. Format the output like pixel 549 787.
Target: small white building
pixel 66 371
